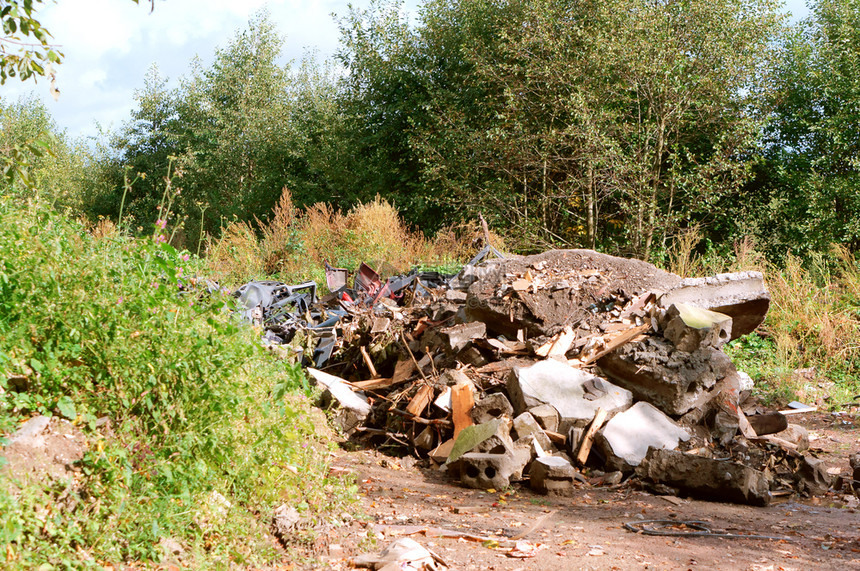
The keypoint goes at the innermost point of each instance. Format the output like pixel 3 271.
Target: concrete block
pixel 709 479
pixel 492 437
pixel 552 475
pixel 483 471
pixel 673 381
pixel 546 416
pixel 742 296
pixel 526 426
pixel 490 407
pixel 626 438
pixel 459 337
pixel 574 393
pixel 690 328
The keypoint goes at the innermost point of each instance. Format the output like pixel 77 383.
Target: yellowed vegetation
pixel 294 245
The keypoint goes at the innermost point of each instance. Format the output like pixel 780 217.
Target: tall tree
pixel 807 194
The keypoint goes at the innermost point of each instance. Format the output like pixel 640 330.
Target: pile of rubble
pixel 566 368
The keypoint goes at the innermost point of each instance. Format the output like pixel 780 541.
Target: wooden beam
pixel 588 439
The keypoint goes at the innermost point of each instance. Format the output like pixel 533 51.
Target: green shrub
pixel 98 328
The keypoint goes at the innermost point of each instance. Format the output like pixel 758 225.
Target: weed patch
pixel 178 403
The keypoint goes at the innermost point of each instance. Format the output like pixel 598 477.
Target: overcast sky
pixel 109 45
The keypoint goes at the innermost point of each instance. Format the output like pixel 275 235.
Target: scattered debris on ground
pixel 566 369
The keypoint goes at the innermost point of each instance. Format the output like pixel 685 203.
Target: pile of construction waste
pixel 565 369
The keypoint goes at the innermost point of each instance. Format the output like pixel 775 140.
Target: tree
pixel 806 192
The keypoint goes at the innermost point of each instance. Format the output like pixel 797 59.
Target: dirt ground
pixel 586 530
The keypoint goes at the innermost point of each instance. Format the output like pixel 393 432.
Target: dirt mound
pixel 547 292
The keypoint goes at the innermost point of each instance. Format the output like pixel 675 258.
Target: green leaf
pixel 66 406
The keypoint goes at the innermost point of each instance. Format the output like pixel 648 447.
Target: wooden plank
pixel 638 304
pixel 558 345
pixel 420 401
pixel 373 384
pixel 588 439
pixel 617 342
pixel 462 402
pixel 555 437
pixel 563 343
pixel 403 370
pixel 368 361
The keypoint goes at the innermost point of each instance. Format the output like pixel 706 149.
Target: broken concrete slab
pixel 691 328
pixel 490 407
pixel 627 437
pixel 546 416
pixel 742 296
pixel 797 435
pixel 458 337
pixel 706 478
pixel 574 393
pixel 552 475
pixel 674 381
pixel 525 425
pixel 812 476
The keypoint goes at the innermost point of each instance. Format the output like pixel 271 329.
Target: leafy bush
pixel 104 328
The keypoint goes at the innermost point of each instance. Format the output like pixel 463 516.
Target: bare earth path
pixel 586 530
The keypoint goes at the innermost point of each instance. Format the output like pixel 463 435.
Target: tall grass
pixel 294 245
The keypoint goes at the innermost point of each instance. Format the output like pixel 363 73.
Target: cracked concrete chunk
pixel 546 416
pixel 491 407
pixel 575 394
pixel 709 479
pixel 690 328
pixel 626 438
pixel 742 296
pixel 552 474
pixel 673 381
pixel 525 425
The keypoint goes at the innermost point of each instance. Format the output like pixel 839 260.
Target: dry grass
pixel 811 345
pixel 235 257
pixel 295 244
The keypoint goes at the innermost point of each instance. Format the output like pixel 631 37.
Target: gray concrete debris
pixel 492 406
pixel 742 296
pixel 525 425
pixel 574 393
pixel 459 337
pixel 812 475
pixel 482 470
pixel 673 381
pixel 552 475
pixel 626 438
pixel 706 478
pixel 691 328
pixel 797 435
pixel 546 416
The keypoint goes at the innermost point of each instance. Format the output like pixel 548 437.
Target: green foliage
pixel 805 195
pixel 25 48
pixel 569 122
pixel 98 328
